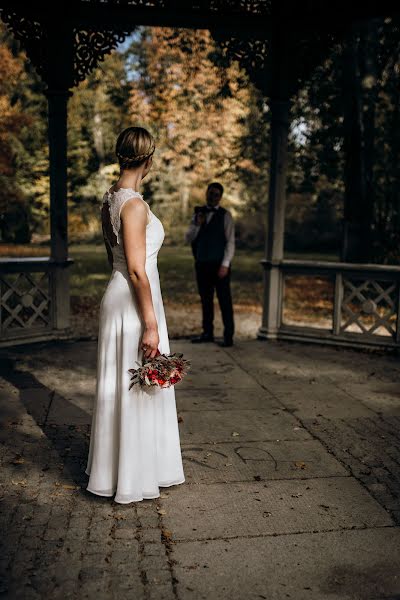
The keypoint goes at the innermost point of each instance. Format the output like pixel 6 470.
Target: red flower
pixel 164 370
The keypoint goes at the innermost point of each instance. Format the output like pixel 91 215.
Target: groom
pixel 212 235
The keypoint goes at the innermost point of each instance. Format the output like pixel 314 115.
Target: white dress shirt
pixel 229 228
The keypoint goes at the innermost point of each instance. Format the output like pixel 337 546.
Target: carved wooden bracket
pixel 89 46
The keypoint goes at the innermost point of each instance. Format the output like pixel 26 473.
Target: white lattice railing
pixel 338 302
pixel 34 299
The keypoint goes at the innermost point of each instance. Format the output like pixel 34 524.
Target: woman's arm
pixel 134 222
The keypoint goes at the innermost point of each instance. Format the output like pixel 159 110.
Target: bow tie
pixel 211 208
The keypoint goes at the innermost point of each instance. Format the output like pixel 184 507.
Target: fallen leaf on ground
pixel 235 433
pixel 166 533
pixel 161 511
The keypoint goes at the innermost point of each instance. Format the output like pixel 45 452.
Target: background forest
pixel 210 123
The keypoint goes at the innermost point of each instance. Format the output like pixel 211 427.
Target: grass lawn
pixel 90 273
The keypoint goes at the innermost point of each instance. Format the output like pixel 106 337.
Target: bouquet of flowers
pixel 163 370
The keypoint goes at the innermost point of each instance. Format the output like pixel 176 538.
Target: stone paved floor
pixel 292 463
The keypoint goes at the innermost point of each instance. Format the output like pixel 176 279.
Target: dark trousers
pixel 207 282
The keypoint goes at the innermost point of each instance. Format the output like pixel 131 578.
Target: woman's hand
pixel 150 342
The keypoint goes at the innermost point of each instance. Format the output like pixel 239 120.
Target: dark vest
pixel 210 242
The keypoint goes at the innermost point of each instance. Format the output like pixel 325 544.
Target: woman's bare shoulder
pixel 135 207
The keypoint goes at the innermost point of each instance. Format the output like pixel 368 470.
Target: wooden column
pixel 59 78
pixel 57 134
pixel 280 110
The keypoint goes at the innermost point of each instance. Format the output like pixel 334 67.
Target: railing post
pixel 337 303
pixel 280 111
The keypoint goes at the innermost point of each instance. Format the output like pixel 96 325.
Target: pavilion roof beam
pixel 296 16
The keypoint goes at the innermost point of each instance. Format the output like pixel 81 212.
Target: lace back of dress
pixel 111 214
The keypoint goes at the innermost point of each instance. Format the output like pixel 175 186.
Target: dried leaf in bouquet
pixel 164 370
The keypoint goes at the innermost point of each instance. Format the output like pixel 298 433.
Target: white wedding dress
pixel 134 443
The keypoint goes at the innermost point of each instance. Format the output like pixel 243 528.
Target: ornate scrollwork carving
pixel 90 45
pixel 30 34
pixel 254 55
pixel 251 54
pixel 90 48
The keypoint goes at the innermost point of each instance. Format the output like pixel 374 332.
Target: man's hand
pixel 223 272
pixel 200 218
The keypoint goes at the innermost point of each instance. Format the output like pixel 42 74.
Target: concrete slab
pixel 335 565
pixel 11 409
pixel 321 362
pixel 382 398
pixel 212 367
pixel 76 386
pixel 268 358
pixel 245 461
pixel 70 412
pixel 221 426
pixel 224 399
pixel 218 376
pixel 276 507
pixel 311 399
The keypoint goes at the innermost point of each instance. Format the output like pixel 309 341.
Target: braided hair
pixel 134 146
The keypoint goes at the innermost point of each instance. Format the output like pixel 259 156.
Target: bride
pixel 134 443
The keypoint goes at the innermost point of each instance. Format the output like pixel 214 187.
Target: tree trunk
pixel 354 178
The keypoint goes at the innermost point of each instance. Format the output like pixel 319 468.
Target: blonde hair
pixel 134 146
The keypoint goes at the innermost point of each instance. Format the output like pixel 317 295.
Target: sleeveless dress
pixel 134 442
